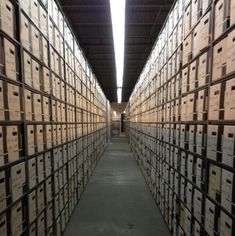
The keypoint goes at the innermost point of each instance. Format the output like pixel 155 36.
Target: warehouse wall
pixel 52 119
pixel 181 118
pixel 118 107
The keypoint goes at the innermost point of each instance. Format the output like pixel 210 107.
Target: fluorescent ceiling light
pixel 117 8
pixel 119 95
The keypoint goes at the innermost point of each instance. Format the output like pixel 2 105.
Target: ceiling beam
pixel 105 24
pixel 105 65
pixel 91 25
pixel 84 5
pixel 112 54
pixel 111 44
pixel 97 45
pixel 100 6
pixel 111 38
pixel 111 87
pixel 102 59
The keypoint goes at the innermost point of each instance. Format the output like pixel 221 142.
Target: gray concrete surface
pixel 117 201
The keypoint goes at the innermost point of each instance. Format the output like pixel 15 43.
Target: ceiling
pixel 91 21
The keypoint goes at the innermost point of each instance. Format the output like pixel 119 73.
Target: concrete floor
pixel 117 201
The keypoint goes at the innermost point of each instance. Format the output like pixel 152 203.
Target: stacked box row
pixel 53 126
pixel 181 118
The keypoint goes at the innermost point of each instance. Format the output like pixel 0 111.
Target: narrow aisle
pixel 117 201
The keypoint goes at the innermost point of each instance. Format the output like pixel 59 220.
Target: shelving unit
pixel 53 126
pixel 181 118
